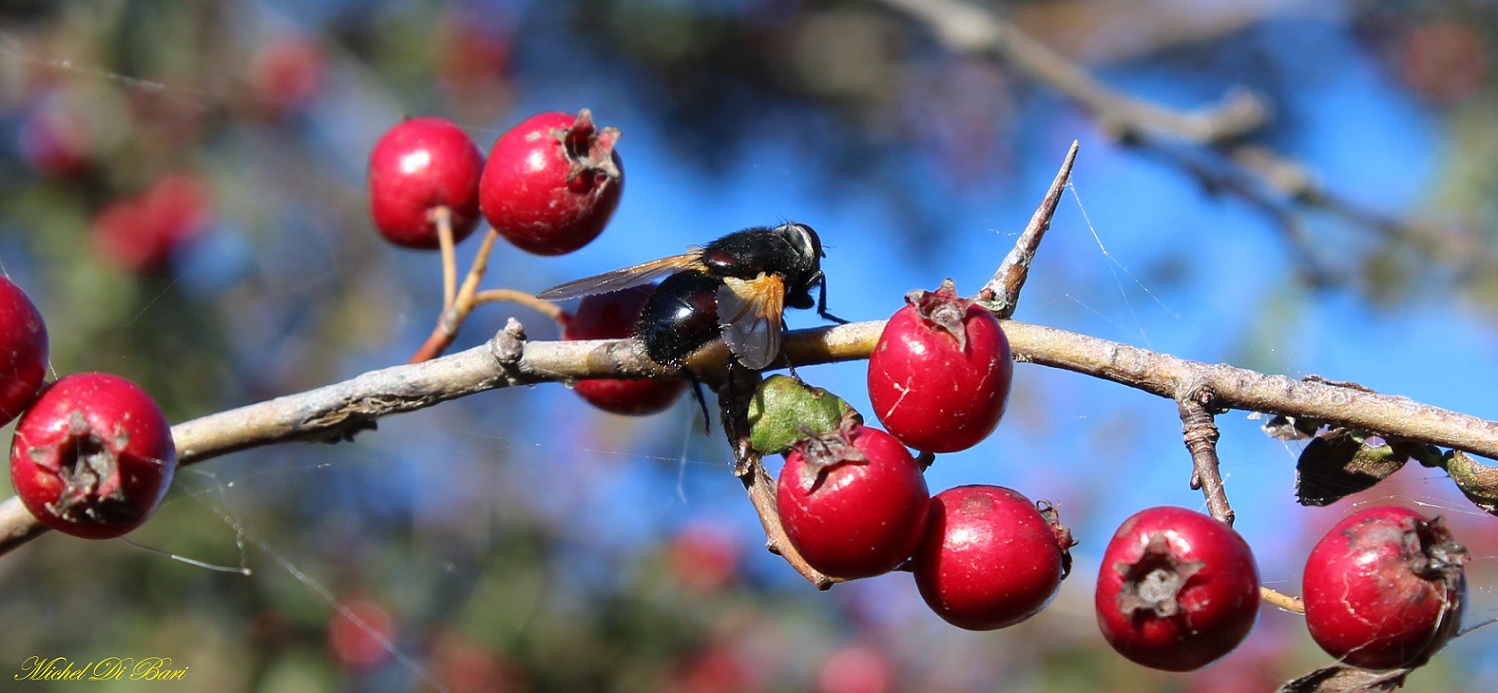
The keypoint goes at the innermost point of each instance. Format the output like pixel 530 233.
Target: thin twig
pixel 1199 431
pixel 1217 173
pixel 1010 279
pixel 734 395
pixel 1273 183
pixel 974 30
pixel 761 490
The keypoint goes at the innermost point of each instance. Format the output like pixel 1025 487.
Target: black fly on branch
pixel 738 286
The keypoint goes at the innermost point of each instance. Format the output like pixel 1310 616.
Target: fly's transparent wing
pixel 750 311
pixel 618 279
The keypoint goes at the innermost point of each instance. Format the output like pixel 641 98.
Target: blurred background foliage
pixel 181 192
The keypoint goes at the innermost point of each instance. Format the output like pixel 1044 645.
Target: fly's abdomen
pixel 680 317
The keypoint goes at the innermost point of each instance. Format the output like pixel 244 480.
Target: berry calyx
pixel 93 456
pixel 1177 589
pixel 990 558
pixel 939 375
pixel 613 316
pixel 420 169
pixel 552 182
pixel 23 351
pixel 1385 588
pixel 853 501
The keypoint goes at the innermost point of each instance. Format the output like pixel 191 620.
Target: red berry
pixel 474 50
pixel 55 141
pixel 93 456
pixel 990 557
pixel 178 207
pixel 613 316
pixel 703 558
pixel 939 375
pixel 360 635
pixel 552 182
pixel 286 73
pixel 417 167
pixel 122 237
pixel 23 351
pixel 1385 588
pixel 1177 589
pixel 853 501
pixel 856 668
pixel 139 234
pixel 720 667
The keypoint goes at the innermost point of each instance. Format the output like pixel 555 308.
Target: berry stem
pixel 442 216
pixel 1007 282
pixel 547 308
pixel 454 314
pixel 1199 432
pixel 477 270
pixel 1282 600
pixel 436 343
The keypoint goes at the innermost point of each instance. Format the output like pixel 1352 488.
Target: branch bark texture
pixel 338 411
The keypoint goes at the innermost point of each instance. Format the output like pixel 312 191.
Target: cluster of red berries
pixel 854 502
pixel 549 186
pixel 1176 590
pixel 92 454
pixel 1384 589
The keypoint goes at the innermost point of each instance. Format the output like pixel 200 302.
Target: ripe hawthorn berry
pixel 552 182
pixel 990 557
pixel 93 456
pixel 55 141
pixel 939 374
pixel 286 73
pixel 703 558
pixel 853 501
pixel 1385 588
pixel 856 668
pixel 139 234
pixel 612 316
pixel 23 351
pixel 360 633
pixel 418 167
pixel 1177 589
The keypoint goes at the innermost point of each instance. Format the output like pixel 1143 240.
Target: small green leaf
pixel 785 410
